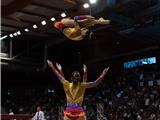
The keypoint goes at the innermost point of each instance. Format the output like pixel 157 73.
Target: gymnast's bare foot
pixel 103 21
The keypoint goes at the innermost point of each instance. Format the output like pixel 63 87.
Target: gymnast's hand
pixel 105 70
pixel 84 68
pixel 50 63
pixel 59 66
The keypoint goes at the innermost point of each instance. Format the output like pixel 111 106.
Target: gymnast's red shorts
pixel 74 112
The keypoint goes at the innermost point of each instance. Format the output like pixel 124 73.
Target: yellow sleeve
pixel 85 84
pixel 64 82
pixel 90 84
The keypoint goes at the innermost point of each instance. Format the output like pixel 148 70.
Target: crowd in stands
pixel 131 96
pixel 126 103
pixel 134 96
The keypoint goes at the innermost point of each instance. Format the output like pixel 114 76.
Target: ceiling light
pixel 86 5
pixel 11 35
pixel 144 62
pixel 27 30
pixel 18 33
pixel 15 34
pixel 53 19
pixel 63 15
pixel 43 22
pixel 3 37
pixel 35 26
pixel 92 1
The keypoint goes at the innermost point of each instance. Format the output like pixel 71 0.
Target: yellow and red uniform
pixel 74 33
pixel 75 95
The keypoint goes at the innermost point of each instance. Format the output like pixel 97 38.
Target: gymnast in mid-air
pixel 76 29
pixel 75 90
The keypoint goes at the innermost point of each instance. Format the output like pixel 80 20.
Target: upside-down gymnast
pixel 75 91
pixel 76 29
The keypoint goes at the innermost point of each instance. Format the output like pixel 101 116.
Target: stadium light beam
pixel 63 15
pixel 1 38
pixel 35 26
pixel 53 19
pixel 26 30
pixel 92 1
pixel 43 22
pixel 11 35
pixel 86 5
pixel 18 33
pixel 15 34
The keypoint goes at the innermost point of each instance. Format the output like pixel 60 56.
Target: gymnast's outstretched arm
pixel 59 75
pixel 82 17
pixel 96 82
pixel 60 69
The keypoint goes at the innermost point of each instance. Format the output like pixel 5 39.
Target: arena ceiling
pixel 135 26
pixel 18 14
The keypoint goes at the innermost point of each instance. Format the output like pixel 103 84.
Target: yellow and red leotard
pixel 74 33
pixel 75 94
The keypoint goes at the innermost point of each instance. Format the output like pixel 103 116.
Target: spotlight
pixel 53 19
pixel 43 22
pixel 11 35
pixel 18 33
pixel 144 62
pixel 92 1
pixel 35 26
pixel 86 5
pixel 1 38
pixel 63 15
pixel 15 34
pixel 27 30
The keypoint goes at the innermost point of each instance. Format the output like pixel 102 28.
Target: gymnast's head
pixel 76 77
